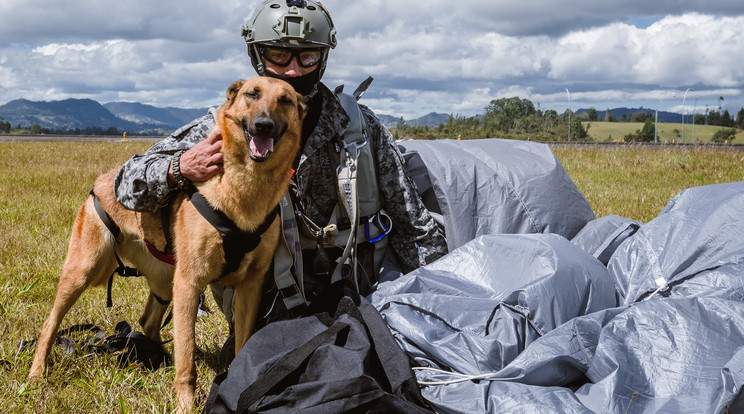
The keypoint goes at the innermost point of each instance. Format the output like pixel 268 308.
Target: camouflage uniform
pixel 415 237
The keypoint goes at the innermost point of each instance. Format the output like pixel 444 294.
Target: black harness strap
pixel 121 270
pixel 236 243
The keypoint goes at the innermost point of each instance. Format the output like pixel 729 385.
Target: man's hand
pixel 202 161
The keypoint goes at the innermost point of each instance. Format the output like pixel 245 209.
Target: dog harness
pixel 123 270
pixel 236 243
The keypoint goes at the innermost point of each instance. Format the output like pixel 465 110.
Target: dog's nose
pixel 263 125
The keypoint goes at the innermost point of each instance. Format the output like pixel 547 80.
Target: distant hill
pixel 65 114
pixel 432 119
pixel 388 120
pixel 142 114
pixel 70 114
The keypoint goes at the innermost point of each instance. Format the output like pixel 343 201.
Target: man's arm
pixel 146 181
pixel 416 236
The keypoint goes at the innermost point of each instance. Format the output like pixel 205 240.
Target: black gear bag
pixel 347 362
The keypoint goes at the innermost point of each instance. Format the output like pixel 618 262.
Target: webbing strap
pixel 236 243
pixel 347 188
pixel 121 270
pixel 293 293
pixel 285 366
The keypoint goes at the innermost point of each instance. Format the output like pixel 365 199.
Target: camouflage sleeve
pixel 142 183
pixel 416 237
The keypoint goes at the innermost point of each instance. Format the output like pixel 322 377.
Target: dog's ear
pixel 233 90
pixel 301 106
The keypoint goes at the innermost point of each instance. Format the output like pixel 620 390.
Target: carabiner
pixel 385 229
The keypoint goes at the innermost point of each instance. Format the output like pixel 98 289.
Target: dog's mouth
pixel 262 134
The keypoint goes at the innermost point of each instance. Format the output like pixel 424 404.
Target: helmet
pixel 289 23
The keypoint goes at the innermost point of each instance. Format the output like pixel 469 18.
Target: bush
pixel 724 135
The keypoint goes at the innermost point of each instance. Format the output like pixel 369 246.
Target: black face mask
pixel 305 85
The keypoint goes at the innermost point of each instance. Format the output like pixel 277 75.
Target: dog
pixel 261 123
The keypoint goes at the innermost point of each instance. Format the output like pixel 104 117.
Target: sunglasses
pixel 282 57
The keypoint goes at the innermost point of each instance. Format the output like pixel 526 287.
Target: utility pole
pixel 656 120
pixel 693 120
pixel 683 114
pixel 569 114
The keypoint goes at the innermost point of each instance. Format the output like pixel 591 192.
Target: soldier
pixel 291 40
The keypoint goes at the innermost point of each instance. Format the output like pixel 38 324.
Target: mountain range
pixel 133 117
pixel 70 114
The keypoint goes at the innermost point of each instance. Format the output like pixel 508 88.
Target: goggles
pixel 282 56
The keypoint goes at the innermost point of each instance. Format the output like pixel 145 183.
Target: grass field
pixel 668 132
pixel 43 184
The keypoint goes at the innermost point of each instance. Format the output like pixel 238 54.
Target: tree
pixel 739 118
pixel 714 118
pixel 720 99
pixel 648 131
pixel 592 114
pixel 502 114
pixel 646 134
pixel 35 129
pixel 4 126
pixel 726 119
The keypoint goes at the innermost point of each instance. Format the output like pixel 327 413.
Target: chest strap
pixel 236 243
pixel 122 270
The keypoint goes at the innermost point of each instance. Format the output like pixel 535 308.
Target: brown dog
pixel 261 124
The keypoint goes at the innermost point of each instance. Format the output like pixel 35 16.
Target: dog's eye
pixel 285 100
pixel 252 94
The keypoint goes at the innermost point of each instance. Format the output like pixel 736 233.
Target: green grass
pixel 41 187
pixel 637 182
pixel 668 132
pixel 43 184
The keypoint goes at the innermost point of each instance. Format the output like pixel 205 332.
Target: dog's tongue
pixel 260 147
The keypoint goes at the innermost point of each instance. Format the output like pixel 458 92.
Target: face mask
pixel 306 85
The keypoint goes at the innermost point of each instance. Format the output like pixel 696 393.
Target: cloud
pixel 424 56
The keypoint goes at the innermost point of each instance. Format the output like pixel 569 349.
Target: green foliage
pixel 506 114
pixel 724 135
pixel 646 134
pixel 592 114
pixel 726 119
pixel 4 126
pixel 609 117
pixel 503 118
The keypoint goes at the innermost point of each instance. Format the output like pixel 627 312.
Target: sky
pixel 441 56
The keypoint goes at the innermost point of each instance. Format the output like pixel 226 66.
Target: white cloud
pixel 432 56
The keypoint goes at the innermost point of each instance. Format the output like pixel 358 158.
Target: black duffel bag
pixel 347 362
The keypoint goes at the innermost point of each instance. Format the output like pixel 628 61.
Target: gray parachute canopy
pixel 540 307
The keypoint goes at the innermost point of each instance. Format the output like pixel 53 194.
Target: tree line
pixel 36 129
pixel 520 119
